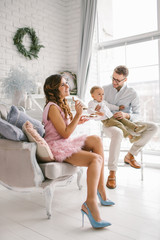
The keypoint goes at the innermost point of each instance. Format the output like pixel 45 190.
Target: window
pixel 142 61
pixel 124 18
pixel 128 32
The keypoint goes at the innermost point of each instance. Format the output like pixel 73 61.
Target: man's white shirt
pixel 126 96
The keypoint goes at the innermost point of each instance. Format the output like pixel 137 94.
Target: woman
pixel 86 151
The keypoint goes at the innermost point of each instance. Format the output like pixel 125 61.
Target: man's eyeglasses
pixel 116 80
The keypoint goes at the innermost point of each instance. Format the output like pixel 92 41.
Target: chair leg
pixel 48 193
pixel 142 165
pixel 79 178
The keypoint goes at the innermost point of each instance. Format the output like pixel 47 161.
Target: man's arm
pixel 132 112
pixel 135 107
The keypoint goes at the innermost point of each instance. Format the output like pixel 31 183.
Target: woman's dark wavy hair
pixel 52 94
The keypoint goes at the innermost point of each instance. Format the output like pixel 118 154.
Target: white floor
pixel 136 214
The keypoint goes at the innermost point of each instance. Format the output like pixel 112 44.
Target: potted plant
pixel 17 85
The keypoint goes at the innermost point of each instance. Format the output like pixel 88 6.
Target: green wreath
pixel 34 47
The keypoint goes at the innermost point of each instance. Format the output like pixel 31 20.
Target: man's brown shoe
pixel 132 162
pixel 111 182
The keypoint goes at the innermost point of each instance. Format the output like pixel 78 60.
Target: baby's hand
pixel 97 108
pixel 121 107
pixel 100 113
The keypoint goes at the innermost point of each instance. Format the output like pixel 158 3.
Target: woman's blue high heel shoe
pixel 104 202
pixel 94 223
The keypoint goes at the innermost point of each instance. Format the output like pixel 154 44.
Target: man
pixel 119 93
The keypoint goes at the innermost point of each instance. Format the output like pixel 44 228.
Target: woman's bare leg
pixel 94 163
pixel 94 144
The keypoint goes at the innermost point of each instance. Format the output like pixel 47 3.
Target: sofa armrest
pixel 18 165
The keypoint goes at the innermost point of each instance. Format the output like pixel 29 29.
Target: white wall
pixel 72 33
pixel 56 23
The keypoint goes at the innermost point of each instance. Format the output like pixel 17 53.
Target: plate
pixel 91 116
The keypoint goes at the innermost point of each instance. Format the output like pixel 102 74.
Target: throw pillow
pixel 18 118
pixel 43 151
pixel 3 111
pixel 11 132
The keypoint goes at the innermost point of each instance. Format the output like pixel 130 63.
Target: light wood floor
pixel 136 214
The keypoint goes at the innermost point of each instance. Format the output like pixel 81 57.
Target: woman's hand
pixel 83 119
pixel 78 107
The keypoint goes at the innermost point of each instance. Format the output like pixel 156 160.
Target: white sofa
pixel 20 170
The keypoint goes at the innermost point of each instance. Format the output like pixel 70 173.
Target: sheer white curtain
pixel 88 15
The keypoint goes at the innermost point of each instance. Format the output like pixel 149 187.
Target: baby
pixel 103 110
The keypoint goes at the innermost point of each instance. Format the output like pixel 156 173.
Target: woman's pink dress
pixel 61 148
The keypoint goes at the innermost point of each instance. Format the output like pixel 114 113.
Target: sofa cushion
pixel 53 170
pixel 43 151
pixel 3 111
pixel 18 118
pixel 11 132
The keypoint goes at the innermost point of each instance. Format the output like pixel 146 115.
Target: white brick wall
pixel 56 23
pixel 72 33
